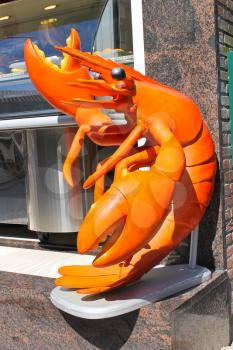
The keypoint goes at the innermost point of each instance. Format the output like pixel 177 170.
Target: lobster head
pixel 81 81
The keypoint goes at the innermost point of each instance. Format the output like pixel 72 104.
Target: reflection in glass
pixel 114 35
pixel 46 29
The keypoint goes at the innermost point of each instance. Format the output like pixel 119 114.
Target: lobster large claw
pixel 53 81
pixel 66 88
pixel 134 205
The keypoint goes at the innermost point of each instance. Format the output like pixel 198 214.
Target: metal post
pixel 193 248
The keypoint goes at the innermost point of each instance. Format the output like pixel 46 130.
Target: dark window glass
pixel 28 18
pixel 114 35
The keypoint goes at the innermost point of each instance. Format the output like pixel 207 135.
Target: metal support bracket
pixel 193 248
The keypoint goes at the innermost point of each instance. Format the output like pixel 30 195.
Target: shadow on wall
pixel 105 334
pixel 208 228
pixel 207 253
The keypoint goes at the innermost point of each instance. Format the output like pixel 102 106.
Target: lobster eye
pixel 118 73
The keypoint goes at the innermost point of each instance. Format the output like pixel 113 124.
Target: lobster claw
pixel 129 212
pixel 53 81
pixel 105 216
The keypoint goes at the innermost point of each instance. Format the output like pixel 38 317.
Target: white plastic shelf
pixel 159 283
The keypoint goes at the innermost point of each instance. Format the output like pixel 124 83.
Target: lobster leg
pixel 110 135
pixel 100 87
pixel 99 185
pixel 74 152
pixel 120 153
pixel 136 160
pixel 139 157
pixel 108 140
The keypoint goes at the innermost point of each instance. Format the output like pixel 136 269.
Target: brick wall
pixel 224 15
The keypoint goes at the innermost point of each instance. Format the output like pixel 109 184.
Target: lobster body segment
pixel 143 215
pixel 171 106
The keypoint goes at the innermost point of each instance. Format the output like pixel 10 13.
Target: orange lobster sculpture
pixel 144 214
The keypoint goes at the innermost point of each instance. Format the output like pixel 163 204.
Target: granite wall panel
pixel 180 51
pixel 28 320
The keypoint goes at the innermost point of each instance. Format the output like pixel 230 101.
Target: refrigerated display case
pixel 34 137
